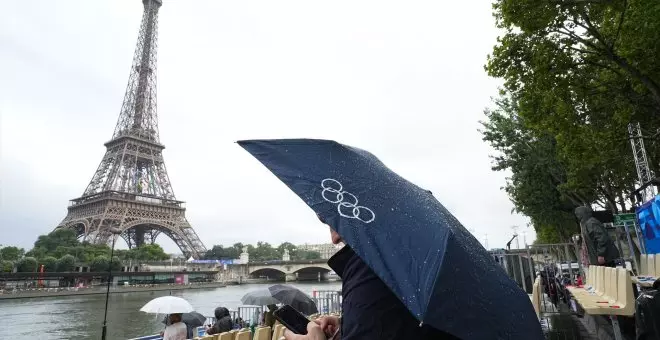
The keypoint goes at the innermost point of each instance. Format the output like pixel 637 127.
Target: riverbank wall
pixel 102 290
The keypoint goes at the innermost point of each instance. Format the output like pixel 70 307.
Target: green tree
pixel 6 266
pixel 293 250
pixel 49 263
pixel 235 251
pixel 116 264
pixel 146 252
pixel 57 238
pixel 306 255
pixel 560 37
pixel 215 253
pixel 26 265
pixel 90 251
pixel 37 252
pixel 263 251
pixel 11 253
pixel 66 263
pixel 100 264
pixel 537 175
pixel 578 72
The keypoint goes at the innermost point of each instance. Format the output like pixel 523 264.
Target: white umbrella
pixel 167 305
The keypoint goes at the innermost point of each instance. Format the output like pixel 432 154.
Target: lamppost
pixel 114 232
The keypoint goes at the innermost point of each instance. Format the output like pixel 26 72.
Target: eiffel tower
pixel 131 190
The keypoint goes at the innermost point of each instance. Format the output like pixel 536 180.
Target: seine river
pixel 81 317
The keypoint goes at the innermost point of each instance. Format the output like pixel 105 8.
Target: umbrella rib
pixel 437 277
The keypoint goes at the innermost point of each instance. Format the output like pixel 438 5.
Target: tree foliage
pixel 306 255
pixel 596 43
pixel 263 251
pixel 219 252
pixel 535 186
pixel 101 263
pixel 11 253
pixel 63 244
pixel 145 252
pixel 26 265
pixel 575 73
pixel 6 266
pixel 49 263
pixel 66 263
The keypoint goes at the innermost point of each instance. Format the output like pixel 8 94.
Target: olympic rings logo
pixel 347 203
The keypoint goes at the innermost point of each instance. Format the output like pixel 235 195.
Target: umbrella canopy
pixel 294 297
pixel 412 242
pixel 192 319
pixel 261 297
pixel 167 305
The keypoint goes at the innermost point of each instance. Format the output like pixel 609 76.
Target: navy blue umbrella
pixel 423 253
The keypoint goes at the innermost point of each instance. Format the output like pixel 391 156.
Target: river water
pixel 81 317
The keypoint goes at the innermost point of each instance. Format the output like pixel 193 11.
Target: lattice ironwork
pixel 644 172
pixel 130 189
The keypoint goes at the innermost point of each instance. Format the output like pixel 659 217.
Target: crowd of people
pixel 177 329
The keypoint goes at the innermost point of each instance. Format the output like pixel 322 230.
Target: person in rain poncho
pixel 223 322
pixel 599 246
pixel 175 330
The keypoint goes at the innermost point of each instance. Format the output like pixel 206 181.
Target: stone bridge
pixel 291 270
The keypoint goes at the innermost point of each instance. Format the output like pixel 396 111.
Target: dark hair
pixel 176 316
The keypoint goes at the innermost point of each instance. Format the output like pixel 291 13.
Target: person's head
pixel 174 318
pixel 272 308
pixel 221 312
pixel 334 236
pixel 583 213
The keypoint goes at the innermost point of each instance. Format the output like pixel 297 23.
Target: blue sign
pixel 648 216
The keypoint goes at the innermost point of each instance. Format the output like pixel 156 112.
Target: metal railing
pixel 555 265
pixel 248 315
pixel 327 301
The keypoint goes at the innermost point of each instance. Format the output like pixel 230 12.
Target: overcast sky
pixel 402 79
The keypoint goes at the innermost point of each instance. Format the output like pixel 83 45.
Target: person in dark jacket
pixel 600 247
pixel 369 308
pixel 223 322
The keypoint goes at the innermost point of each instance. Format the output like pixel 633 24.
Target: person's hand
pixel 314 332
pixel 329 324
pixel 601 260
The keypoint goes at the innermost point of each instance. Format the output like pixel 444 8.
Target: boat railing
pixel 149 337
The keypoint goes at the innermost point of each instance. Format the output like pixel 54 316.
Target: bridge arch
pixel 269 273
pixel 266 269
pixel 290 267
pixel 313 268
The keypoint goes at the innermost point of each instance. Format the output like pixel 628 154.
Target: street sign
pixel 622 218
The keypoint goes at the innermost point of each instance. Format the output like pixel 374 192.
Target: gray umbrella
pixel 192 319
pixel 261 297
pixel 294 297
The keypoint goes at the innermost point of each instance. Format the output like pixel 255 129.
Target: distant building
pixel 326 249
